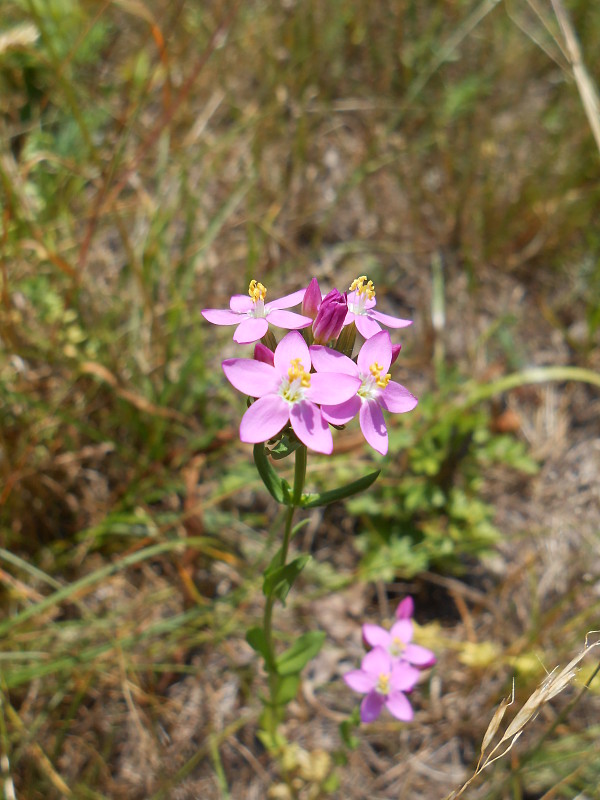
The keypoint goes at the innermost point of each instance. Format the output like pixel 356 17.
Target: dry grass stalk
pixel 585 85
pixel 18 38
pixel 549 688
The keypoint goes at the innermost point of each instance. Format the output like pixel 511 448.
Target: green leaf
pixel 279 580
pixel 287 689
pixel 306 647
pixel 278 488
pixel 324 498
pixel 257 641
pixel 284 448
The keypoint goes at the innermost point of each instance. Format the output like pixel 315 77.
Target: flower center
pixel 397 647
pixel 373 382
pixel 383 683
pixel 257 291
pixel 292 388
pixel 381 380
pixel 362 290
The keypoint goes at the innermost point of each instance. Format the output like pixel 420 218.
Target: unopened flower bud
pixel 312 299
pixel 262 353
pixel 330 318
pixel 395 352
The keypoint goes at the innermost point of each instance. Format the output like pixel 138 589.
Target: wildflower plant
pixel 297 388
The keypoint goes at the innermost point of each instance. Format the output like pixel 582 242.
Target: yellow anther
pixel 381 380
pixel 397 646
pixel 358 286
pixel 383 684
pixel 296 370
pixel 257 291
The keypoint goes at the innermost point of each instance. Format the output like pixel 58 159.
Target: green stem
pixel 271 713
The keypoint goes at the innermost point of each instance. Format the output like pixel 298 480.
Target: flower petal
pixel 398 706
pixel 376 349
pixel 254 378
pixel 406 608
pixel 324 359
pixel 332 388
pixel 419 656
pixel 371 706
pixel 397 399
pixel 287 301
pixel 250 329
pixel 264 419
pixel 366 326
pixel 387 319
pixel 373 426
pixel 220 316
pixel 377 660
pixel 360 681
pixel 342 413
pixel 288 320
pixel 404 677
pixel 240 303
pixel 310 427
pixel 350 316
pixel 375 635
pixel 290 347
pixel 403 630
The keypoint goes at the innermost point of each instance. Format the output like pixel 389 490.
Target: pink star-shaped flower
pixel 384 681
pixel 252 315
pixel 287 391
pixel 361 310
pixel 376 390
pixel 398 643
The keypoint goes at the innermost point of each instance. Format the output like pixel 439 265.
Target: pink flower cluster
pixel 304 382
pixel 391 669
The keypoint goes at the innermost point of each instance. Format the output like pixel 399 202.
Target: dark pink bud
pixel 312 299
pixel 330 319
pixel 405 609
pixel 262 353
pixel 395 352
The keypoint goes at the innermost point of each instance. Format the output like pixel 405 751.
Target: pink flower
pixel 376 390
pixel 406 608
pixel 312 299
pixel 397 642
pixel 250 314
pixel 384 681
pixel 330 317
pixel 287 391
pixel 263 353
pixel 361 309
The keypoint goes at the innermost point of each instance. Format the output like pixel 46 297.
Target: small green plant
pixel 429 510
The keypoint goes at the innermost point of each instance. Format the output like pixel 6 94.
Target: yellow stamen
pixel 257 291
pixel 358 286
pixel 397 647
pixel 383 684
pixel 296 370
pixel 381 380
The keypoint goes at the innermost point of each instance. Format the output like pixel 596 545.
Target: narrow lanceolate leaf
pixel 278 488
pixel 324 498
pixel 287 689
pixel 257 641
pixel 279 580
pixel 306 647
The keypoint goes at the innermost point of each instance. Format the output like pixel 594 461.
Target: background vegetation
pixel 156 156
